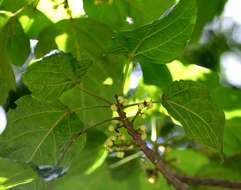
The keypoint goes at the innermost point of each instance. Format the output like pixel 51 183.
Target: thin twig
pixel 138 103
pixel 76 135
pixel 89 108
pixel 96 96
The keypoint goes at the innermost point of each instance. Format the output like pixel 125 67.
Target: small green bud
pixel 141 106
pixel 120 154
pixel 142 128
pixel 113 107
pixel 109 143
pixel 111 128
pixel 122 137
pixel 143 136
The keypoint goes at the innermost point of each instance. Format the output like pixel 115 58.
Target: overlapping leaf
pixel 82 37
pixel 116 13
pixel 53 75
pixel 103 80
pixel 37 131
pixel 190 103
pixel 164 39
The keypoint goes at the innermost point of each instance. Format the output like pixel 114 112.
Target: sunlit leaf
pixel 82 37
pixel 164 39
pixel 116 14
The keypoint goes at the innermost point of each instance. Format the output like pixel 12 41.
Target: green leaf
pixel 207 10
pixel 191 104
pixel 37 131
pixel 12 5
pixel 182 160
pixel 103 80
pixel 7 79
pixel 232 139
pixel 33 22
pixel 81 37
pixel 164 39
pixel 15 173
pixel 53 75
pixel 115 13
pixel 155 74
pixel 13 40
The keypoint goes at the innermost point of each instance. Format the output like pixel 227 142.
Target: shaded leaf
pixel 13 39
pixel 82 37
pixel 37 131
pixel 155 74
pixel 164 39
pixel 53 75
pixel 191 104
pixel 7 79
pixel 14 173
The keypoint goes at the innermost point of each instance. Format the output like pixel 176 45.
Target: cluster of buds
pixel 117 143
pixel 121 100
pixel 145 104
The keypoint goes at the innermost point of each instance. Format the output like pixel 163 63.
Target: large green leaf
pixel 164 39
pixel 53 75
pixel 191 104
pixel 115 13
pixel 103 80
pixel 82 37
pixel 37 131
pixel 14 173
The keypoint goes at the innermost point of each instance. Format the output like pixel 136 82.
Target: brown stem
pixel 150 154
pixel 196 181
pixel 179 181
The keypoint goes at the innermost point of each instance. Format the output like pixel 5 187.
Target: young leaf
pixel 53 75
pixel 37 131
pixel 15 173
pixel 190 103
pixel 82 37
pixel 164 39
